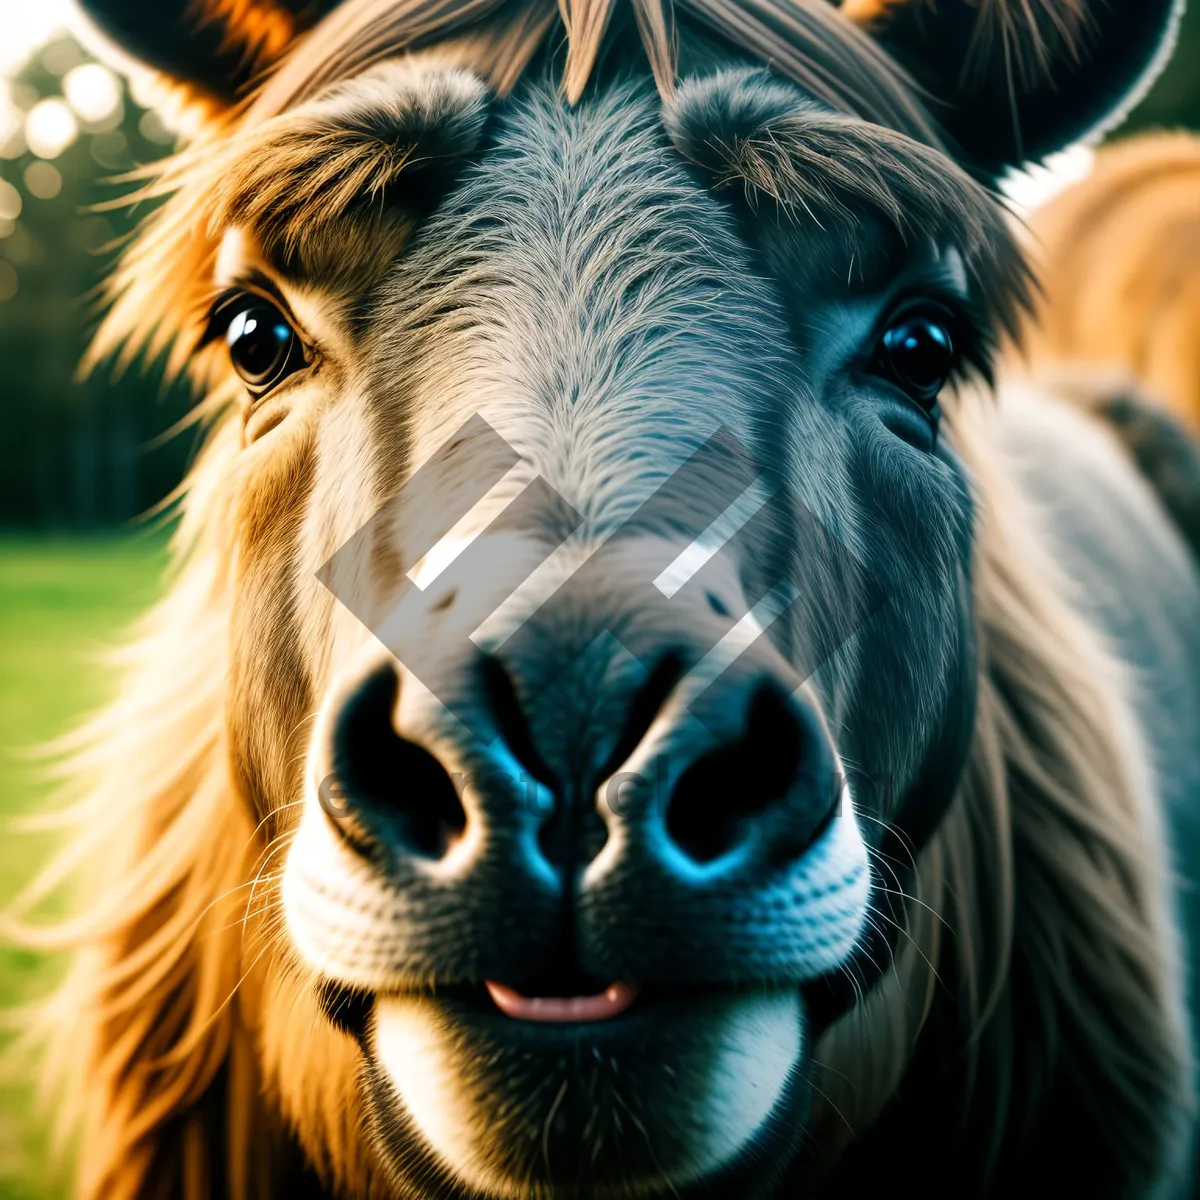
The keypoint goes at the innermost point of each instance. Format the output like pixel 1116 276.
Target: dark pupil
pixel 921 355
pixel 259 339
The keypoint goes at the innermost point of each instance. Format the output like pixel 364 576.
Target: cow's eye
pixel 263 346
pixel 916 354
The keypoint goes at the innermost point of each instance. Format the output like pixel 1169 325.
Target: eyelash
pixel 225 306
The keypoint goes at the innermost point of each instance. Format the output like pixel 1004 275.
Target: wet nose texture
pixel 396 794
pixel 575 831
pixel 769 785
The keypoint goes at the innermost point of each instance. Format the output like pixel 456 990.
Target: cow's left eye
pixel 263 346
pixel 916 354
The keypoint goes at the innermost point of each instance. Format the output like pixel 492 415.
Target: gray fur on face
pixel 588 294
pixel 606 312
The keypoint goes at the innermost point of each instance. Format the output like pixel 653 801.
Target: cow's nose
pixel 594 798
pixel 729 785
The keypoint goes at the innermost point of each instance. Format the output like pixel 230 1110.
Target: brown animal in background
pixel 1118 257
pixel 1116 328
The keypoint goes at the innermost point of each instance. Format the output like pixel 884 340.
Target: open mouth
pixel 605 1005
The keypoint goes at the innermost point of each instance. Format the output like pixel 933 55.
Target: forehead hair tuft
pixel 752 132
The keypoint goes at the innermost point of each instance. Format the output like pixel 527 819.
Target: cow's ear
pixel 212 49
pixel 1015 80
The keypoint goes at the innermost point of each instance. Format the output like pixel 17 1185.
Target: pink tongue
pixel 611 1002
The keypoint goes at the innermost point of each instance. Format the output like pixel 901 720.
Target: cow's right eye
pixel 263 346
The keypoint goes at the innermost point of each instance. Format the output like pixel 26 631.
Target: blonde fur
pixel 1046 858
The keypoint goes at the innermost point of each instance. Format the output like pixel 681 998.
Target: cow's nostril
pixel 392 788
pixel 719 797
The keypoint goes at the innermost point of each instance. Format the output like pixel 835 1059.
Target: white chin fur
pixel 760 1039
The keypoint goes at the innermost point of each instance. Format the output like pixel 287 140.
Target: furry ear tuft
pixel 393 134
pixel 708 118
pixel 773 142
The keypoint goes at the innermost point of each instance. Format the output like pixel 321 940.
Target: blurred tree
pixel 78 454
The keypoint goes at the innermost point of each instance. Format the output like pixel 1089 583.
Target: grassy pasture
pixel 62 602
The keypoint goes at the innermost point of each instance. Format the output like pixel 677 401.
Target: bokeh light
pixel 12 123
pixel 94 92
pixel 43 180
pixel 19 246
pixel 11 116
pixel 13 146
pixel 50 127
pixel 10 201
pixel 93 235
pixel 28 25
pixel 61 55
pixel 9 282
pixel 151 127
pixel 111 150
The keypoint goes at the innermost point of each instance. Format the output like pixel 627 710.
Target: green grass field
pixel 62 602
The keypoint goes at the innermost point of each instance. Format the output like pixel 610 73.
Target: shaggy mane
pixel 1035 928
pixel 1039 935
